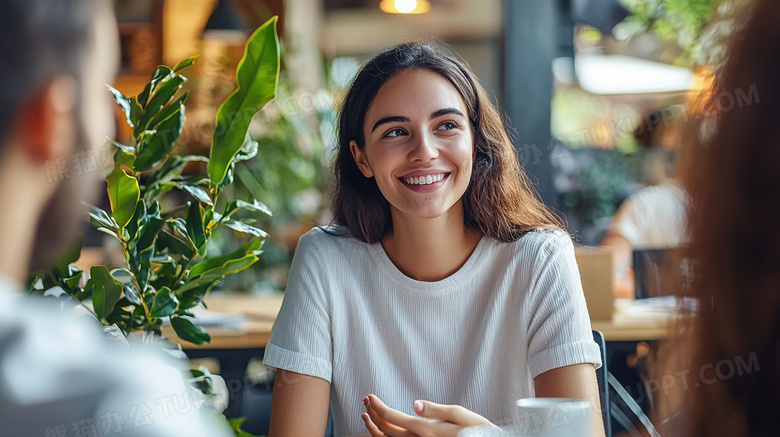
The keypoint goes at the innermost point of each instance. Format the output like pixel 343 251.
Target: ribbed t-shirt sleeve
pixel 559 332
pixel 301 340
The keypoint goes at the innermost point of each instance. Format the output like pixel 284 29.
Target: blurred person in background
pixel 729 352
pixel 653 217
pixel 58 375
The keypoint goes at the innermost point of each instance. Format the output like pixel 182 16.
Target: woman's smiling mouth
pixel 425 183
pixel 424 180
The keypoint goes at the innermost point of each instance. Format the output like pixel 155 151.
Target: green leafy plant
pixel 682 21
pixel 167 270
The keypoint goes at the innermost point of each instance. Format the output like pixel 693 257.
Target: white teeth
pixel 424 180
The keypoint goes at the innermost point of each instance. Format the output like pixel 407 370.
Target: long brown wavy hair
pixel 733 177
pixel 499 201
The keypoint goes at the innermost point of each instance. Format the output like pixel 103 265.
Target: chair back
pixel 601 377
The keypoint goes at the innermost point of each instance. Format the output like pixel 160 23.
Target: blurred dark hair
pixel 40 39
pixel 499 201
pixel 732 178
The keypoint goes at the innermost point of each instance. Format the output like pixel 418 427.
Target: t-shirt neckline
pixel 388 268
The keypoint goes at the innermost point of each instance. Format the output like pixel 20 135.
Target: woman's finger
pixel 391 415
pixel 449 413
pixel 371 427
pixel 384 426
pixel 436 411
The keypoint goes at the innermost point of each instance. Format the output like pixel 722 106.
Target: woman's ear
pixel 47 123
pixel 360 159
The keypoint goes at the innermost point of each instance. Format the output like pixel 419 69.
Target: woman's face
pixel 419 144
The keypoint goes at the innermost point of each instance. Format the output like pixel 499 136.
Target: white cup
pixel 553 417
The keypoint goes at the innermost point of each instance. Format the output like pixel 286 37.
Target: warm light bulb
pixel 405 6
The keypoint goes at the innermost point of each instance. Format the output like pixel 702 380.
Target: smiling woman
pixel 446 289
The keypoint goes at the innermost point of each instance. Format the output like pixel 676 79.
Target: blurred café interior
pixel 600 97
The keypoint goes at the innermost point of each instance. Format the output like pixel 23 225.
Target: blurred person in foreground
pixel 725 364
pixel 58 375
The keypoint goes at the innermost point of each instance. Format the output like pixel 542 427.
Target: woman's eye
pixel 395 133
pixel 448 125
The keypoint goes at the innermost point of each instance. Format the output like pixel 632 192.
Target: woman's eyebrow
pixel 390 119
pixel 446 111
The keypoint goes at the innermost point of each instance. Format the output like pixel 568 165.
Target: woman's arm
pixel 299 405
pixel 576 382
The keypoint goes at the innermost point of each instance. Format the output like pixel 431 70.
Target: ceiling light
pixel 405 6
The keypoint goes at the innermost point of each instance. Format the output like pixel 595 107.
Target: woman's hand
pixel 382 420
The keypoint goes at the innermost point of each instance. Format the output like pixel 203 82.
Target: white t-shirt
pixel 653 217
pixel 59 376
pixel 476 338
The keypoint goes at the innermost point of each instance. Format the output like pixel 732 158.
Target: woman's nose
pixel 423 148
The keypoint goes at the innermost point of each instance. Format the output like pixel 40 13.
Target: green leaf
pixel 202 380
pixel 172 168
pixel 124 103
pixel 147 233
pixel 221 261
pixel 167 111
pixel 123 193
pixel 163 259
pixel 195 225
pixel 228 179
pixel 164 303
pixel 139 216
pixel 245 228
pixel 122 157
pixel 120 146
pixel 257 76
pixel 131 294
pixel 179 226
pixel 70 256
pixel 185 63
pixel 198 193
pixel 101 218
pixel 160 73
pixel 248 151
pixel 168 87
pixel 82 294
pixel 140 263
pixel 235 206
pixel 174 245
pixel 194 296
pixel 106 291
pixel 217 273
pixel 235 425
pixel 188 331
pixel 159 143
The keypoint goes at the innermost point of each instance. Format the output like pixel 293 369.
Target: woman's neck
pixel 430 249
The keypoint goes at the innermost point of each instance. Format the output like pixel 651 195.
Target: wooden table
pixel 637 321
pixel 633 329
pixel 259 311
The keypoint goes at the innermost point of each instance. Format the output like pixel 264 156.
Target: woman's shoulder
pixel 539 243
pixel 326 239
